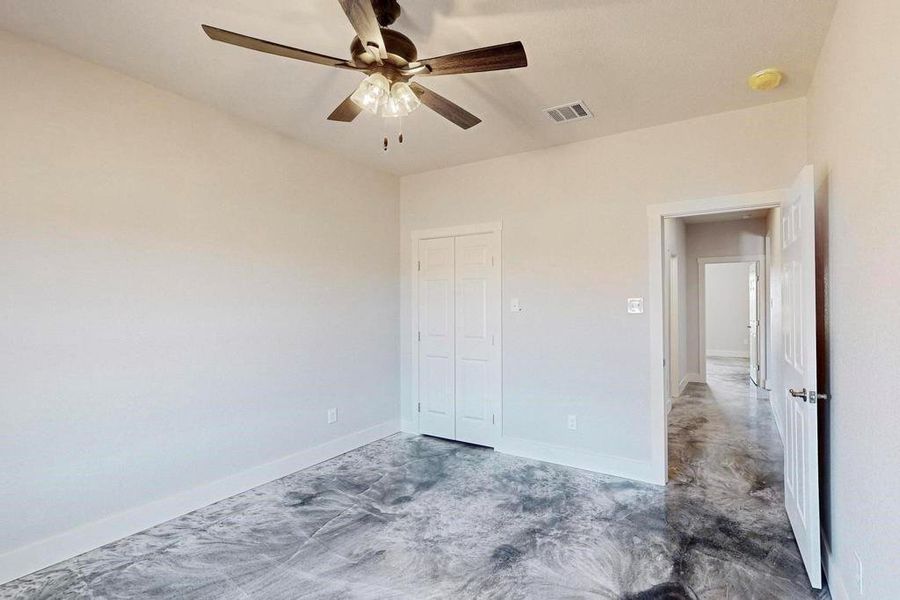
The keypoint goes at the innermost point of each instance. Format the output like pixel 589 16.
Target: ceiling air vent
pixel 574 111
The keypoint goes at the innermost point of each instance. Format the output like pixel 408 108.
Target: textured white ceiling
pixel 636 63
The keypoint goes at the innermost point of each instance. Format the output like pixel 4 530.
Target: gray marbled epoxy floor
pixel 421 518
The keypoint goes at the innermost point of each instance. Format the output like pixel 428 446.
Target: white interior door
pixel 459 370
pixel 477 343
pixel 798 363
pixel 753 325
pixel 437 345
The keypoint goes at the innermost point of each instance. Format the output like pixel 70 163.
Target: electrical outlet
pixel 573 423
pixel 332 415
pixel 859 574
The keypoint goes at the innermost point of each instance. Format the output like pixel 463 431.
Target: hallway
pixel 725 468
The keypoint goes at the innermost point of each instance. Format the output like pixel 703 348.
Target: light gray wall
pixel 183 294
pixel 727 309
pixel 854 140
pixel 575 242
pixel 708 240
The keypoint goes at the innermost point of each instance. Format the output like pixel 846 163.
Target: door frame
pixel 446 232
pixel 761 295
pixel 656 304
pixel 673 316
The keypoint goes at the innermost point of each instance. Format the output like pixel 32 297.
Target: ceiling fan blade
pixel 444 107
pixel 245 41
pixel 346 111
pixel 362 17
pixel 492 58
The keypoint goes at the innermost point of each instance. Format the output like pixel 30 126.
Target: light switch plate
pixel 635 306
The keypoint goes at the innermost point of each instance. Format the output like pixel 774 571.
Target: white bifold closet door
pixel 459 338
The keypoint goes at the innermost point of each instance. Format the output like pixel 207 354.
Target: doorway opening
pixel 733 316
pixel 713 398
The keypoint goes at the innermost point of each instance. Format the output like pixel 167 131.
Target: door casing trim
pixel 656 257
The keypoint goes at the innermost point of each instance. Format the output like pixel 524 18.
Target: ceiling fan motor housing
pixel 400 52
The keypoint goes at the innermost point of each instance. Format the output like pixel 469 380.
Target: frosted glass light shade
pixel 393 108
pixel 372 92
pixel 405 97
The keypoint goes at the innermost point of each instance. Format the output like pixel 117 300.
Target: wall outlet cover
pixel 573 422
pixel 332 415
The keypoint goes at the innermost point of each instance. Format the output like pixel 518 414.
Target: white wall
pixel 854 140
pixel 184 295
pixel 727 309
pixel 708 240
pixel 574 249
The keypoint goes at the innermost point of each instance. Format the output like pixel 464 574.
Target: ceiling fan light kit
pixel 389 60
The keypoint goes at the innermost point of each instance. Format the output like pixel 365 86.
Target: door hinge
pixel 664 362
pixel 420 336
pixel 419 267
pixel 492 261
pixel 493 419
pixel 419 407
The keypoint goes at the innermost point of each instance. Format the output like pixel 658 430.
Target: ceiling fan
pixel 390 61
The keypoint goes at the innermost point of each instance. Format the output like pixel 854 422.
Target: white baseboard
pixel 832 576
pixel 688 378
pixel 728 353
pixel 591 461
pixel 409 426
pixel 49 551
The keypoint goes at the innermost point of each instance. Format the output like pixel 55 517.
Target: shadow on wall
pixel 823 377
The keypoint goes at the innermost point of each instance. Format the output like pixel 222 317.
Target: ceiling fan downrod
pixel 386 11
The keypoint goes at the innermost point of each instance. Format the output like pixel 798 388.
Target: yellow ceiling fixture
pixel 766 80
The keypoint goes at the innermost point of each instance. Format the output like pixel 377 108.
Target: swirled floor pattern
pixel 414 517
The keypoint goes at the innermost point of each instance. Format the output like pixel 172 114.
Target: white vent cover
pixel 574 111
